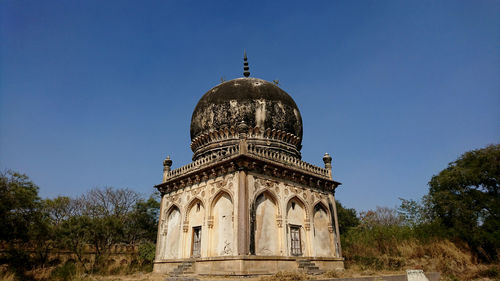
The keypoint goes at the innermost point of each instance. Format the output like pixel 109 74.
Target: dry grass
pixel 454 261
pixel 7 276
pixel 286 276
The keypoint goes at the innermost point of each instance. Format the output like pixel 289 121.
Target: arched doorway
pixel 195 218
pixel 296 215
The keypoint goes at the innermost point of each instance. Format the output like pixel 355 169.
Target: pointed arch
pixel 221 224
pixel 321 204
pixel 301 201
pixel 297 218
pixel 191 203
pixel 264 212
pixel 170 208
pixel 220 193
pixel 271 194
pixel 195 216
pixel 171 233
pixel 322 234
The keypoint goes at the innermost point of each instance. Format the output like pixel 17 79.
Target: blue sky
pixel 97 93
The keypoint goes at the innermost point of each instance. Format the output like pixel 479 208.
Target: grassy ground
pixel 454 262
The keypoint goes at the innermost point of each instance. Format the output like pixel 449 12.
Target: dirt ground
pixel 161 277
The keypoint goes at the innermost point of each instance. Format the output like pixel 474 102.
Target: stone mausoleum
pixel 247 203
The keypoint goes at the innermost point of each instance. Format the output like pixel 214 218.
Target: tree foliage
pixel 97 220
pixel 465 199
pixel 19 206
pixel 381 216
pixel 347 217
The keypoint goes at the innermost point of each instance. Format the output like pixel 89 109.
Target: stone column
pixel 159 235
pixel 243 236
pixel 337 233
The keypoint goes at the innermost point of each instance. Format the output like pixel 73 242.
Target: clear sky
pixel 97 93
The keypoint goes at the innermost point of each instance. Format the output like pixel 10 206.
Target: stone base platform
pixel 245 265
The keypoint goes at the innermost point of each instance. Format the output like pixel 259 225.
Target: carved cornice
pixel 254 160
pixel 212 142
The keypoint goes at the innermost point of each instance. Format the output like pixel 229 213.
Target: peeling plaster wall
pixel 222 237
pixel 266 230
pixel 173 235
pixel 323 239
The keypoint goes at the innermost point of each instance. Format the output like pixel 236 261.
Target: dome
pixel 271 116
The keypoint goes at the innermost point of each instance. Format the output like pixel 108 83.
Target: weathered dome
pixel 271 116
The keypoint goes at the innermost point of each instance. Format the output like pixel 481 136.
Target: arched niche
pixel 223 225
pixel 195 212
pixel 322 237
pixel 296 211
pixel 296 216
pixel 172 233
pixel 195 215
pixel 264 228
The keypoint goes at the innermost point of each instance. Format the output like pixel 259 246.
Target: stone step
pixel 178 278
pixel 312 268
pixel 309 267
pixel 315 272
pixel 182 269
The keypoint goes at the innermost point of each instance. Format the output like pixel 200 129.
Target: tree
pixel 381 216
pixel 102 220
pixel 347 218
pixel 143 221
pixel 22 222
pixel 108 201
pixel 19 206
pixel 465 198
pixel 412 213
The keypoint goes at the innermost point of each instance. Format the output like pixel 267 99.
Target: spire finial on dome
pixel 246 73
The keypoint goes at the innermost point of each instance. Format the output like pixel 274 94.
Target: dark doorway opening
pixel 196 251
pixel 295 240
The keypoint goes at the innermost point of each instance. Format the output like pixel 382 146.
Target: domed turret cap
pixel 273 118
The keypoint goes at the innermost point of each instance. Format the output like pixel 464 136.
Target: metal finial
pixel 246 69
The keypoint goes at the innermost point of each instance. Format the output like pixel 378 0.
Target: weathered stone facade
pixel 247 204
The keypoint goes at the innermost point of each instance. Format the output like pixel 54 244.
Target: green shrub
pixel 147 255
pixel 66 272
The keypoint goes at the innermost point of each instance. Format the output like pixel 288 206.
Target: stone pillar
pixel 338 247
pixel 167 163
pixel 159 235
pixel 243 236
